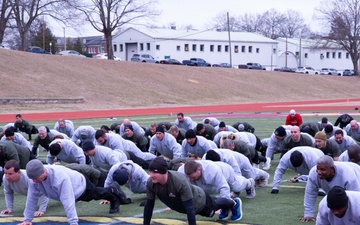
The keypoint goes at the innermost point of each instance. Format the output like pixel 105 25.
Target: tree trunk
pixel 108 38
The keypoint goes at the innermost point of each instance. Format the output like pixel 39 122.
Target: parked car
pixel 105 56
pixel 348 72
pixel 285 69
pixel 195 62
pixel 329 71
pixel 3 46
pixel 36 49
pixel 71 53
pixel 224 65
pixel 243 66
pixel 146 58
pixel 306 70
pixel 255 66
pixel 170 61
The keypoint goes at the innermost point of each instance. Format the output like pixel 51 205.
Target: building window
pixel 243 48
pixel 178 48
pixel 347 55
pixel 327 55
pixel 157 47
pixel 226 48
pixel 141 47
pixel 296 54
pixel 339 55
pixel 236 48
pixel 219 48
pixel 306 55
pixel 211 48
pixel 186 47
pixel 148 46
pixel 121 48
pixel 257 50
pixel 250 49
pixel 115 48
pixel 201 48
pixel 334 55
pixel 194 48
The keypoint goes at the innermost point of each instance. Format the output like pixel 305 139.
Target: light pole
pixel 50 46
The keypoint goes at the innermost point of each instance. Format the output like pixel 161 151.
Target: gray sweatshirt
pixel 70 153
pixel 167 146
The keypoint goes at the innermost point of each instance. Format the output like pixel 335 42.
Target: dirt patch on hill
pixel 105 84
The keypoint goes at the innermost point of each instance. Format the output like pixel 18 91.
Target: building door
pixel 131 49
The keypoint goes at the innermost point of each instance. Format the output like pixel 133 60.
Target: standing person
pixel 299 159
pixel 164 144
pixel 353 130
pixel 293 118
pixel 344 141
pixel 328 147
pixel 175 191
pixel 343 120
pixel 327 174
pixel 178 133
pixel 24 126
pixel 184 122
pixel 65 185
pixel 340 207
pixel 16 181
pixel 65 127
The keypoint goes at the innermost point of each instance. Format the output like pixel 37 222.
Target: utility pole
pixel 64 40
pixel 228 25
pixel 43 32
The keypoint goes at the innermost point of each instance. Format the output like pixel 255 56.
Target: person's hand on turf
pixel 6 211
pixel 307 219
pixel 25 223
pixel 104 202
pixel 274 191
pixel 38 213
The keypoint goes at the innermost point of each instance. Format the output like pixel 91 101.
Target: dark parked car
pixel 170 61
pixel 285 69
pixel 36 49
pixel 224 65
pixel 348 72
pixel 243 66
pixel 255 66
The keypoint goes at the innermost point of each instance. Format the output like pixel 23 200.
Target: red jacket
pixel 294 121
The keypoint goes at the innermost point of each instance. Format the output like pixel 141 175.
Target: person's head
pixel 153 128
pixel 337 201
pixel 55 149
pixel 207 121
pixel 295 133
pixel 328 129
pixel 10 133
pixel 344 118
pixel 339 136
pixel 296 158
pixel 324 122
pixel 126 122
pixel 292 113
pixel 42 132
pixel 222 126
pixel 180 117
pixel 89 148
pixel 18 118
pixel 325 167
pixel 115 127
pixel 213 156
pixel 320 140
pixel 101 137
pixel 36 171
pixel 121 176
pixel 280 133
pixel 190 137
pixel 354 125
pixel 105 128
pixel 62 123
pixel 354 153
pixel 228 144
pixel 12 171
pixel 200 128
pixel 129 130
pixel 241 127
pixel 160 133
pixel 158 168
pixel 193 170
pixel 174 131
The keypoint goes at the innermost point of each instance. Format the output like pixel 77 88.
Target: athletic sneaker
pixel 236 210
pixel 251 192
pixel 264 182
pixel 267 164
pixel 224 215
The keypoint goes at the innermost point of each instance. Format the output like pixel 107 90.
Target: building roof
pixel 310 43
pixel 209 35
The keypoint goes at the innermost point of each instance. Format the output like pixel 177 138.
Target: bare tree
pixel 273 21
pixel 294 25
pixel 5 13
pixel 251 23
pixel 343 21
pixel 107 15
pixel 220 22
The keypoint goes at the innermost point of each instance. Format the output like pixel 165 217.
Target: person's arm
pixel 287 121
pixel 190 211
pixel 280 170
pixel 43 204
pixel 9 198
pixel 299 120
pixel 148 210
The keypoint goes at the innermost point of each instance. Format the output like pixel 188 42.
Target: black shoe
pixel 114 206
pixel 119 194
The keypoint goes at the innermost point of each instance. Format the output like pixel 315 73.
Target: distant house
pixel 303 52
pixel 213 46
pixel 92 45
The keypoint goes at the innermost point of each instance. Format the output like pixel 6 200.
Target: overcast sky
pixel 200 12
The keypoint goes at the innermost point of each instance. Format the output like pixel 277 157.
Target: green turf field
pixel 281 209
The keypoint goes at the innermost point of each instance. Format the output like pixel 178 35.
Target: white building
pixel 212 46
pixel 310 56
